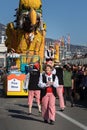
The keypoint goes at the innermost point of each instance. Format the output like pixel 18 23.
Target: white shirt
pixel 41 84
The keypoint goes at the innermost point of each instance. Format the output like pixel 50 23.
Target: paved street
pixel 13 116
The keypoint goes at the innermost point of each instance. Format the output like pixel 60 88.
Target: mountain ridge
pixel 73 48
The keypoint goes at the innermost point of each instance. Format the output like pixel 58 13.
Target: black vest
pixel 48 59
pixel 33 81
pixel 50 53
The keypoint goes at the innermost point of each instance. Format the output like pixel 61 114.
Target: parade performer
pixel 49 54
pixel 31 82
pixel 60 89
pixel 48 83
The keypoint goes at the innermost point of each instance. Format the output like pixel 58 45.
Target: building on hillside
pixel 3 48
pixel 2 33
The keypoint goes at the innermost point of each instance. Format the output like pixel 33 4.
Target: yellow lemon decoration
pixel 30 4
pixel 33 16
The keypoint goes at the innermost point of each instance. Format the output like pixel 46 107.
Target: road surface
pixel 14 116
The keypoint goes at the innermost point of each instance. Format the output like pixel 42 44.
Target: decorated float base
pixel 15 84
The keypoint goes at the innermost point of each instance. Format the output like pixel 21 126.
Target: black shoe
pixel 51 122
pixel 29 113
pixel 39 111
pixel 45 121
pixel 61 110
pixel 72 105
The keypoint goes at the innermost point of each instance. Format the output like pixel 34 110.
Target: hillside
pixel 2 29
pixel 73 48
pixel 2 26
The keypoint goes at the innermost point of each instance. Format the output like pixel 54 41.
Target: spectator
pixel 68 84
pixel 83 85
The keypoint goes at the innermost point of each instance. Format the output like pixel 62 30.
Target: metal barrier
pixel 77 61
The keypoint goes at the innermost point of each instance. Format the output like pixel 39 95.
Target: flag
pixel 68 39
pixel 62 41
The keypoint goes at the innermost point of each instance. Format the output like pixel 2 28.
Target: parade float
pixel 26 36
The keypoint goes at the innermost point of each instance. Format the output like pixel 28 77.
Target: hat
pixel 51 46
pixel 37 66
pixel 56 61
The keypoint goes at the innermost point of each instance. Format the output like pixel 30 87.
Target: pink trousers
pixel 48 107
pixel 31 95
pixel 60 95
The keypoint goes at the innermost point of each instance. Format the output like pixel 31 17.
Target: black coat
pixel 33 80
pixel 59 73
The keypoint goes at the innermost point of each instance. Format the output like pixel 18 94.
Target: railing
pixel 80 61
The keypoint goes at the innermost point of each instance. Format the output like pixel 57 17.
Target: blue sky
pixel 62 17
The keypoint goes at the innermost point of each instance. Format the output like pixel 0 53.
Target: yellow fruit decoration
pixel 30 4
pixel 56 56
pixel 31 42
pixel 44 26
pixel 33 16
